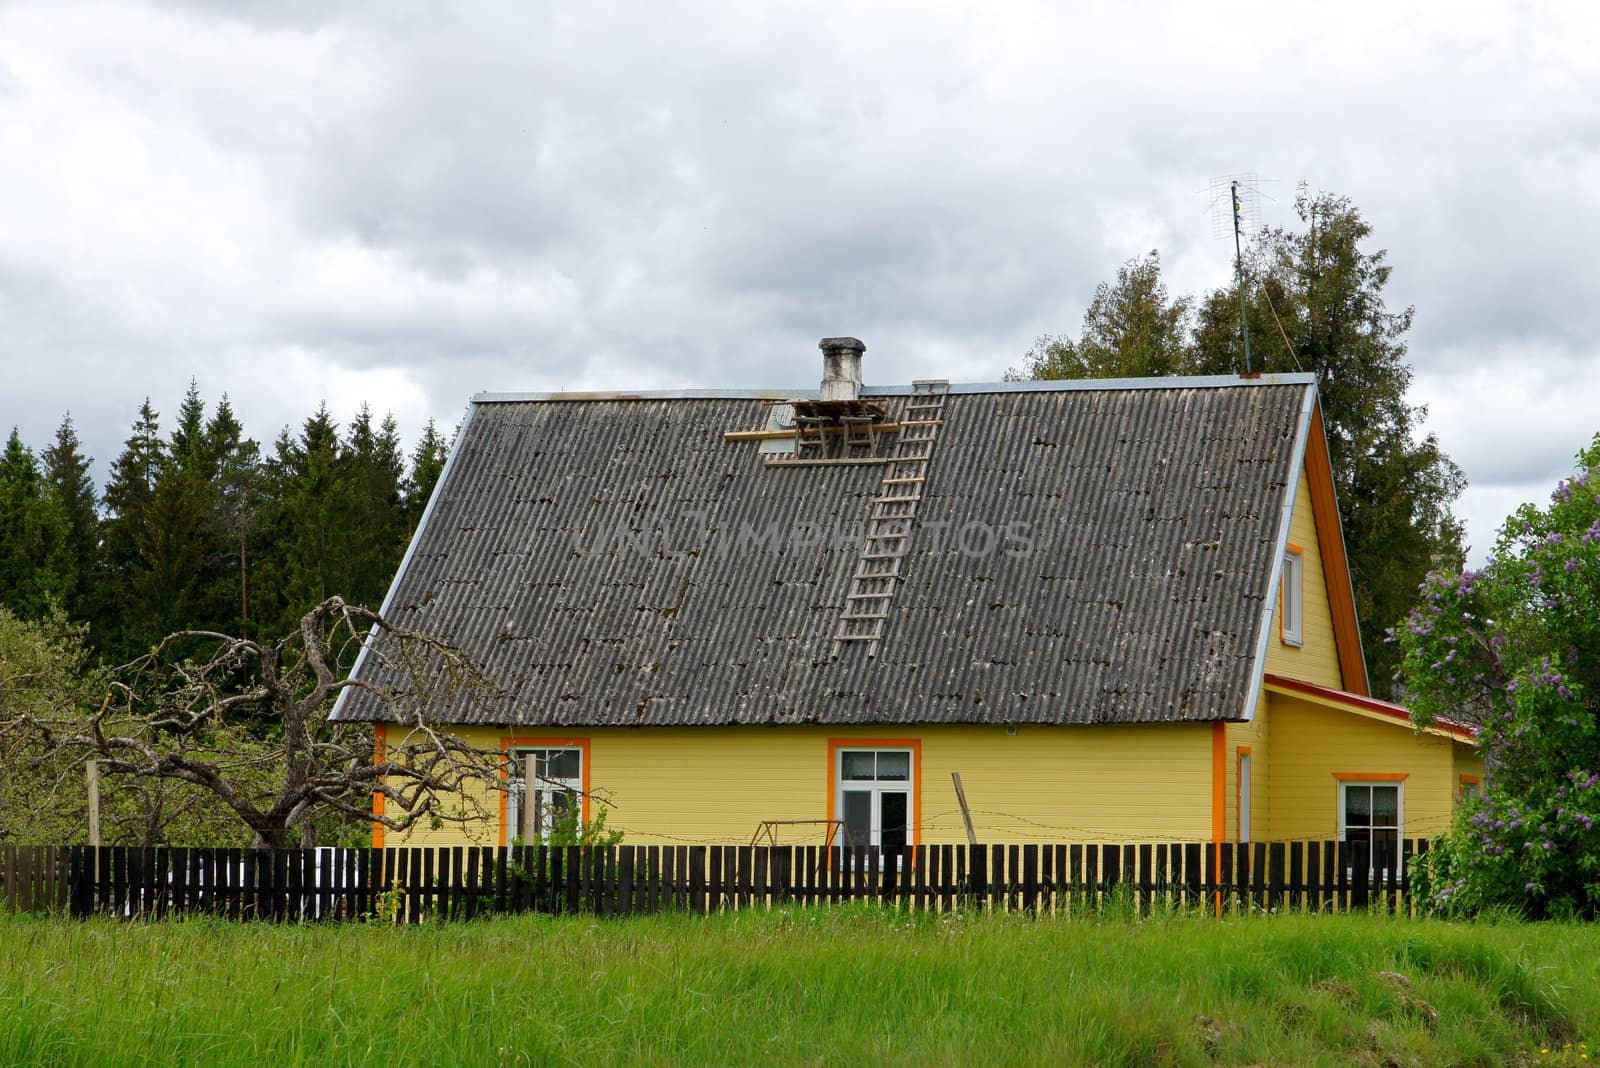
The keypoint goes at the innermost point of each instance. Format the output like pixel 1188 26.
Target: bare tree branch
pixel 248 722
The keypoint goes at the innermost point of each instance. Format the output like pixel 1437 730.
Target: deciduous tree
pixel 1132 329
pixel 1315 303
pixel 1515 648
pixel 248 723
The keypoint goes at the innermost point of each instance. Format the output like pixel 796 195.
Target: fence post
pixel 697 878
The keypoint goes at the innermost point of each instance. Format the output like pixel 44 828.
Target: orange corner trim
pixel 506 744
pixel 380 742
pixel 913 744
pixel 1335 565
pixel 1219 781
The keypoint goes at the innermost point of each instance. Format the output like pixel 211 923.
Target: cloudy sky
pixel 404 203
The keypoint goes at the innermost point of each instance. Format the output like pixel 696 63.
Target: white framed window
pixel 1292 621
pixel 1373 814
pixel 875 795
pixel 558 777
pixel 1244 794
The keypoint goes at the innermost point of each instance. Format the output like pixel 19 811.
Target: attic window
pixel 1292 595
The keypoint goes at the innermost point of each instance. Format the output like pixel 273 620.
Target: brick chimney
pixel 841 367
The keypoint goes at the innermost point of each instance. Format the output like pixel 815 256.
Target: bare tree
pixel 249 723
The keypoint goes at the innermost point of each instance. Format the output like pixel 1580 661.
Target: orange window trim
pixel 913 744
pixel 506 744
pixel 1238 792
pixel 380 742
pixel 1466 781
pixel 1301 553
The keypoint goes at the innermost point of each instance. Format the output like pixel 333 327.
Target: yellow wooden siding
pixel 1311 743
pixel 1317 659
pixel 1255 735
pixel 1468 762
pixel 691 785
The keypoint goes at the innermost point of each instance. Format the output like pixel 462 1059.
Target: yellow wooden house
pixel 1120 610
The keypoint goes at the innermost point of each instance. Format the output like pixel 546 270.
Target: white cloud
pixel 406 203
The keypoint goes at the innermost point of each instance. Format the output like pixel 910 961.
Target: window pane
pixel 858 765
pixel 1358 805
pixel 563 764
pixel 1385 806
pixel 1385 850
pixel 858 816
pixel 894 806
pixel 895 766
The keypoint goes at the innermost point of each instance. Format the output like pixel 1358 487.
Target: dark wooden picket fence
pixel 414 885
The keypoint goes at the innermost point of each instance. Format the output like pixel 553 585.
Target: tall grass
pixel 798 987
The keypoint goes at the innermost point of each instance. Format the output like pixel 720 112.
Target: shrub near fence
pixel 413 884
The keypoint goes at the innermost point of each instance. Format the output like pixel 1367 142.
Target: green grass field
pixel 801 987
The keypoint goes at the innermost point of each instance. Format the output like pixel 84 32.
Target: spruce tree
pixel 308 528
pixel 125 625
pixel 427 463
pixel 31 531
pixel 70 491
pixel 238 501
pixel 373 470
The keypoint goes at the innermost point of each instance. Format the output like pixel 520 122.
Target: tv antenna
pixel 1236 205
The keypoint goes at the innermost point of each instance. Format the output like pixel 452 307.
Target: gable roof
pixel 612 561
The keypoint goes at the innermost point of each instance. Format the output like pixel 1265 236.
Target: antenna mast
pixel 1238 263
pixel 1244 211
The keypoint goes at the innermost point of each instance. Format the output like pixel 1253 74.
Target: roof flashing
pixel 1089 385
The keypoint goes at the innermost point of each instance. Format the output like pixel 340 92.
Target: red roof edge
pixel 1465 732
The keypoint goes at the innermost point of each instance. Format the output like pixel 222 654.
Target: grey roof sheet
pixel 604 560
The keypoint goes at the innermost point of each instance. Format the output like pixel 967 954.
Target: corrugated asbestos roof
pixel 616 563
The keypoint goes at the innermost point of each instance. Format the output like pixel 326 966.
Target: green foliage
pixel 570 828
pixel 1132 329
pixel 1315 304
pixel 44 671
pixel 1515 648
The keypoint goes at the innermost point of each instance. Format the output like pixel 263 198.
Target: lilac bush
pixel 1515 649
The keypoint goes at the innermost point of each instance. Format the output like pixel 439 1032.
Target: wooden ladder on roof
pixel 866 605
